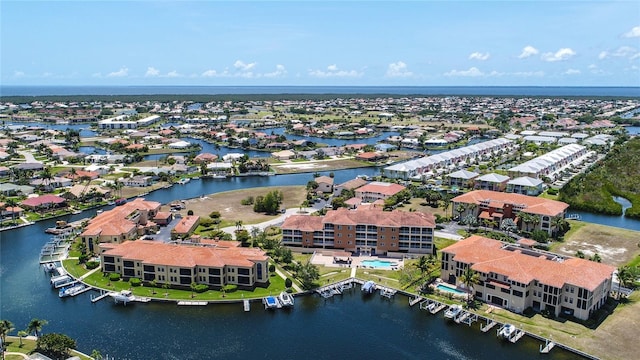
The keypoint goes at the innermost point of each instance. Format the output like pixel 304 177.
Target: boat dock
pixel 488 326
pixel 415 300
pixel 247 305
pixel 335 289
pixel 547 347
pixel 387 292
pixel 466 317
pixel 192 303
pixel 103 294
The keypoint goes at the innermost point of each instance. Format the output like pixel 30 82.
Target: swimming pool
pixel 442 287
pixel 379 264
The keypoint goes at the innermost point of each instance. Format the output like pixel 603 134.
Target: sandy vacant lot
pixel 614 245
pixel 228 203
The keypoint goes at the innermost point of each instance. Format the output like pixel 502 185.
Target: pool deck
pixel 356 261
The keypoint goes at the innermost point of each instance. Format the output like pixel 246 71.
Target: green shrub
pixel 92 265
pixel 230 288
pixel 215 215
pixel 114 277
pixel 272 268
pixel 552 191
pixel 288 282
pixel 200 288
pixel 135 282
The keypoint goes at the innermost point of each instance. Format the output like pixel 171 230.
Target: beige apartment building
pixel 518 277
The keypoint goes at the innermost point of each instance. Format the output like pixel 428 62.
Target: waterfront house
pixel 138 181
pixel 517 278
pixel 213 263
pixel 486 205
pixel 325 184
pixel 284 155
pixel 44 202
pixel 9 189
pixel 349 185
pixel 366 230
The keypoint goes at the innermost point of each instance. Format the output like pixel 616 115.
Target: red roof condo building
pixel 365 230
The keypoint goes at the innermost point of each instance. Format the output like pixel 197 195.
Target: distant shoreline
pixel 17 91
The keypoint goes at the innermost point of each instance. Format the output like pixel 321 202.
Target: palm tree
pixel 6 327
pixel 460 208
pixel 525 219
pixel 557 223
pixel 238 225
pixel 11 203
pixel 625 276
pixel 469 220
pixel 46 176
pixel 468 278
pixel 35 326
pixel 21 334
pixel 508 225
pixel 96 355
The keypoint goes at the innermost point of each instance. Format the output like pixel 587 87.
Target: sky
pixel 320 43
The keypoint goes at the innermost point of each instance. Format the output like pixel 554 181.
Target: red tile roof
pixel 114 222
pixel 42 200
pixel 186 223
pixel 367 216
pixel 158 253
pixel 489 256
pixel 533 205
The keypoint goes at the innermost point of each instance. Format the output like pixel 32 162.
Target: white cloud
pixel 210 73
pixel 124 71
pixel 398 69
pixel 334 71
pixel 634 32
pixel 18 73
pixel 280 71
pixel 572 72
pixel 623 52
pixel 96 75
pixel 472 72
pixel 528 73
pixel 527 52
pixel 560 55
pixel 151 71
pixel 242 66
pixel 173 74
pixel 479 56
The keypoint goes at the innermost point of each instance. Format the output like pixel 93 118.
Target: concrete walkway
pixel 284 276
pixel 24 356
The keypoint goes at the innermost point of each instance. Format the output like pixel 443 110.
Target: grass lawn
pixel 98 280
pixel 415 205
pixel 615 246
pixel 28 347
pixel 228 204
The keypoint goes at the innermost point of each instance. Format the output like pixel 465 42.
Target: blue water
pixel 448 289
pixel 393 90
pixel 378 264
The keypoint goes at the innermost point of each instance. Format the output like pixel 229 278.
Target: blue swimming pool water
pixel 448 289
pixel 271 300
pixel 378 263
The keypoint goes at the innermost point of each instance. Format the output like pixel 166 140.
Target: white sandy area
pixel 301 166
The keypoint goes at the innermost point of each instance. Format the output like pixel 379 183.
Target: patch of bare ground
pixel 230 208
pixel 615 246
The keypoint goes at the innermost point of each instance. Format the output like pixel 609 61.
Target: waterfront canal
pixel 348 326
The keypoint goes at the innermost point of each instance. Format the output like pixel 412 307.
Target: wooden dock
pixel 547 347
pixel 417 299
pixel 519 334
pixel 192 303
pixel 489 325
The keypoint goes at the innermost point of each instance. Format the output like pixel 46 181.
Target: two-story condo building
pixel 496 206
pixel 552 163
pixel 377 190
pixel 364 230
pixel 518 278
pixel 214 263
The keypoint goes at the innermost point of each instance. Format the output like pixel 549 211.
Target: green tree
pixel 6 327
pixel 468 278
pixel 308 274
pixel 56 345
pixel 35 326
pixel 21 335
pixel 96 355
pixel 508 225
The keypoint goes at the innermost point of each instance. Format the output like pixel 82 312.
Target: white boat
pixel 71 291
pixel 368 287
pixel 452 311
pixel 507 331
pixel 218 176
pixel 123 296
pixel 183 181
pixel 58 281
pixel 285 299
pixel 271 302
